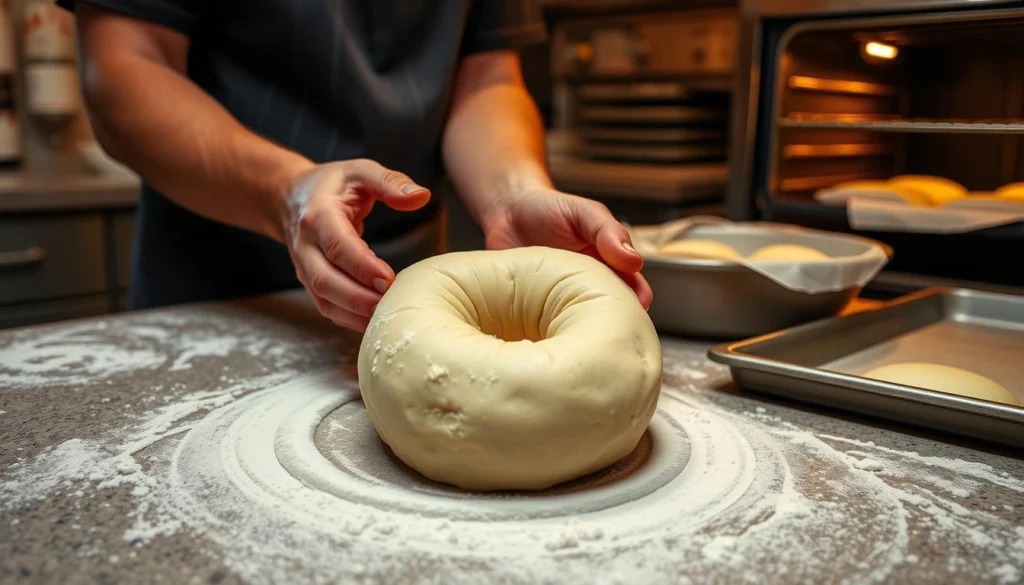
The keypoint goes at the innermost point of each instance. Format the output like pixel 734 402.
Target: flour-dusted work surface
pixel 226 443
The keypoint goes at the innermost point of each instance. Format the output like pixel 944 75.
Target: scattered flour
pixel 73 357
pixel 721 548
pixel 760 499
pixel 868 465
pixel 92 352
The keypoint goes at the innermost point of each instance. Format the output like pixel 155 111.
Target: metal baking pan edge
pixel 850 392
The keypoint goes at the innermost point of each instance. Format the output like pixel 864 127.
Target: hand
pixel 323 227
pixel 546 217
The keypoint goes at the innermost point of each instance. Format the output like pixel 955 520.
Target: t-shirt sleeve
pixel 181 15
pixel 503 24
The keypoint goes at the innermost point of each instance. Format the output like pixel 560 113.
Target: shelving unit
pixel 904 125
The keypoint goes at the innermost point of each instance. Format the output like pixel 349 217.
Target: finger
pixel 599 227
pixel 357 325
pixel 341 317
pixel 641 287
pixel 634 280
pixel 394 189
pixel 331 285
pixel 340 244
pixel 356 215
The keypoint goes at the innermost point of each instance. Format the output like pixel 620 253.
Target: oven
pixel 641 109
pixel 851 90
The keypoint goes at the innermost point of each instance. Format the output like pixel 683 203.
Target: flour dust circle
pixel 296 475
pixel 352 463
pixel 308 450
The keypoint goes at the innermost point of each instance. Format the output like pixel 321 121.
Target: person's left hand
pixel 547 217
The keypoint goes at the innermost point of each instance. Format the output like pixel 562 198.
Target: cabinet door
pixel 47 311
pixel 124 234
pixel 51 256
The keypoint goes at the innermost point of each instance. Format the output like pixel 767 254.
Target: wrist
pixel 288 173
pixel 512 187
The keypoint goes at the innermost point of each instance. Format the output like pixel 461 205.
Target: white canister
pixel 51 75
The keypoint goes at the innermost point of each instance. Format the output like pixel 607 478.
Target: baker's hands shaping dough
pixel 323 227
pixel 323 224
pixel 546 217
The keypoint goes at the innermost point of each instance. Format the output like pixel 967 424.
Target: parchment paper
pixel 884 212
pixel 855 261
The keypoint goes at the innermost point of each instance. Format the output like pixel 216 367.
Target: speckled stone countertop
pixel 89 411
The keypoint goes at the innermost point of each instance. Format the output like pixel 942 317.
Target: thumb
pixel 392 188
pixel 611 239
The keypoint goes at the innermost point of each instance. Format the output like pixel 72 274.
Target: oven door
pixel 952 106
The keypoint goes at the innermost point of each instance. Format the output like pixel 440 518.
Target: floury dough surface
pixel 511 369
pixel 115 433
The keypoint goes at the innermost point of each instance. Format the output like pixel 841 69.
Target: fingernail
pixel 629 248
pixel 381 285
pixel 409 188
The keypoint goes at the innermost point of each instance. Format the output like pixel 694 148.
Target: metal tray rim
pixel 732 355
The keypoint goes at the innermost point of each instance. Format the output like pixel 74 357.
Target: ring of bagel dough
pixel 695 248
pixel 514 369
pixel 943 379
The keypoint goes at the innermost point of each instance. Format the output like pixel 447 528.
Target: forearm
pixel 494 140
pixel 186 145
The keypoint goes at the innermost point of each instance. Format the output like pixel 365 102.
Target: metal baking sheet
pixel 821 362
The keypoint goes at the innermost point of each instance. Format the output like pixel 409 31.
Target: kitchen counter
pixel 103 424
pixel 67 186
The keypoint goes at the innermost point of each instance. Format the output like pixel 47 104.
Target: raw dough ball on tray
pixel 708 249
pixel 515 369
pixel 937 190
pixel 943 379
pixel 1012 192
pixel 788 252
pixel 878 190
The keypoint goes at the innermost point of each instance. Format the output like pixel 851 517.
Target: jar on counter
pixel 51 76
pixel 11 152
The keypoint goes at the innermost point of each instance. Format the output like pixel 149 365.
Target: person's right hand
pixel 323 228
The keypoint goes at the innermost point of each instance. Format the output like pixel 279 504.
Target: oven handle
pixel 21 258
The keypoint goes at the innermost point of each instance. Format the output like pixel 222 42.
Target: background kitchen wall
pixel 635 95
pixel 66 212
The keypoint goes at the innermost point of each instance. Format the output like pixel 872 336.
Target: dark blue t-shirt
pixel 330 79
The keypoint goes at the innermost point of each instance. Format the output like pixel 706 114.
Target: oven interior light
pixel 880 50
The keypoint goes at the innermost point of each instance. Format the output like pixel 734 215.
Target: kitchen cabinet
pixel 51 256
pixel 65 246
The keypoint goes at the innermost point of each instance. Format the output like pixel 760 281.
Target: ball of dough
pixel 788 253
pixel 943 379
pixel 937 190
pixel 514 369
pixel 708 249
pixel 1013 192
pixel 982 202
pixel 878 191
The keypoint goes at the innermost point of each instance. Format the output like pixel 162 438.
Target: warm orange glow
pixel 880 50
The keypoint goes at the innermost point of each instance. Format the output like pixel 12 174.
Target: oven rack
pixel 906 125
pixel 835 218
